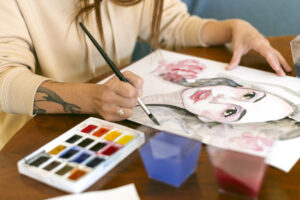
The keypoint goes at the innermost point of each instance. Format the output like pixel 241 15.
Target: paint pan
pixel 79 157
pixel 73 139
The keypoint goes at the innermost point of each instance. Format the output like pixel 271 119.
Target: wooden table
pixel 201 185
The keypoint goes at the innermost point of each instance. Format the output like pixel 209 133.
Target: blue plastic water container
pixel 170 158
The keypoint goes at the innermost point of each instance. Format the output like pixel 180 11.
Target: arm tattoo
pixel 53 97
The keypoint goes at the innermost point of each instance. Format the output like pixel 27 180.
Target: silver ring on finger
pixel 120 112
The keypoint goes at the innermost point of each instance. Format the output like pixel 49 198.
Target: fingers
pixel 283 62
pixel 113 113
pixel 235 60
pixel 127 90
pixel 124 94
pixel 135 80
pixel 120 93
pixel 275 60
pixel 245 37
pixel 272 56
pixel 275 64
pixel 122 88
pixel 108 104
pixel 113 98
pixel 116 99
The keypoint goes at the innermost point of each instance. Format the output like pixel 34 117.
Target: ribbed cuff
pixel 18 90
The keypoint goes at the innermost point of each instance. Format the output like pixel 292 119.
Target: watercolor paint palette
pixel 79 157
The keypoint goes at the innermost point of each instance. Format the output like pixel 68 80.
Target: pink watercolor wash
pixel 180 70
pixel 250 142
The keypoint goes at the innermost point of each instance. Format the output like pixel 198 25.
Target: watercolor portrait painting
pixel 193 97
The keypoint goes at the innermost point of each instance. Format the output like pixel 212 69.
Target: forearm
pixel 54 97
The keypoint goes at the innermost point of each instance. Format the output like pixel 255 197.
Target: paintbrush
pixel 116 71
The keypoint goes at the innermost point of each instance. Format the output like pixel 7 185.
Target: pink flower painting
pixel 179 71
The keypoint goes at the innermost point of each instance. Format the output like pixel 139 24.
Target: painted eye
pixel 230 112
pixel 249 95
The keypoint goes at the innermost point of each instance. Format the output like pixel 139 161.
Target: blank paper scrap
pixel 126 192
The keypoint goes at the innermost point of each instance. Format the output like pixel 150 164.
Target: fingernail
pixel 282 73
pixel 228 68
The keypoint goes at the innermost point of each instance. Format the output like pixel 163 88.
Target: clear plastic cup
pixel 170 158
pixel 240 170
pixel 236 172
pixel 295 47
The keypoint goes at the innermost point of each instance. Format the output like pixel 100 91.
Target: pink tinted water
pixel 240 173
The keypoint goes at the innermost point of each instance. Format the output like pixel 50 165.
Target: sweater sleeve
pixel 18 83
pixel 178 27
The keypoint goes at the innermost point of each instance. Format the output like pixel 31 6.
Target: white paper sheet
pixel 126 192
pixel 250 135
pixel 285 154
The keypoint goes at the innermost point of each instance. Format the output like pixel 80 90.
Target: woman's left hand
pixel 245 37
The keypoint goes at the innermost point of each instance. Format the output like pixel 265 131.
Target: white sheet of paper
pixel 190 126
pixel 285 154
pixel 126 192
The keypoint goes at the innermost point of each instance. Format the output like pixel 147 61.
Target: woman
pixel 248 110
pixel 222 100
pixel 45 59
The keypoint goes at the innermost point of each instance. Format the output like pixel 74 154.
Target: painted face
pixel 234 105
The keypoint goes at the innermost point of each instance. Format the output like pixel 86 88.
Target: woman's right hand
pixel 114 95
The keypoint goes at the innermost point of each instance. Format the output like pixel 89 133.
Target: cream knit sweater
pixel 39 41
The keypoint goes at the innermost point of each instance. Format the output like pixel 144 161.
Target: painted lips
pixel 200 95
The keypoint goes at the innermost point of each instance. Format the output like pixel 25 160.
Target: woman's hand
pixel 106 99
pixel 245 37
pixel 114 95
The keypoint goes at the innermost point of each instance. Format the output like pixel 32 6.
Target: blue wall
pixel 270 17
